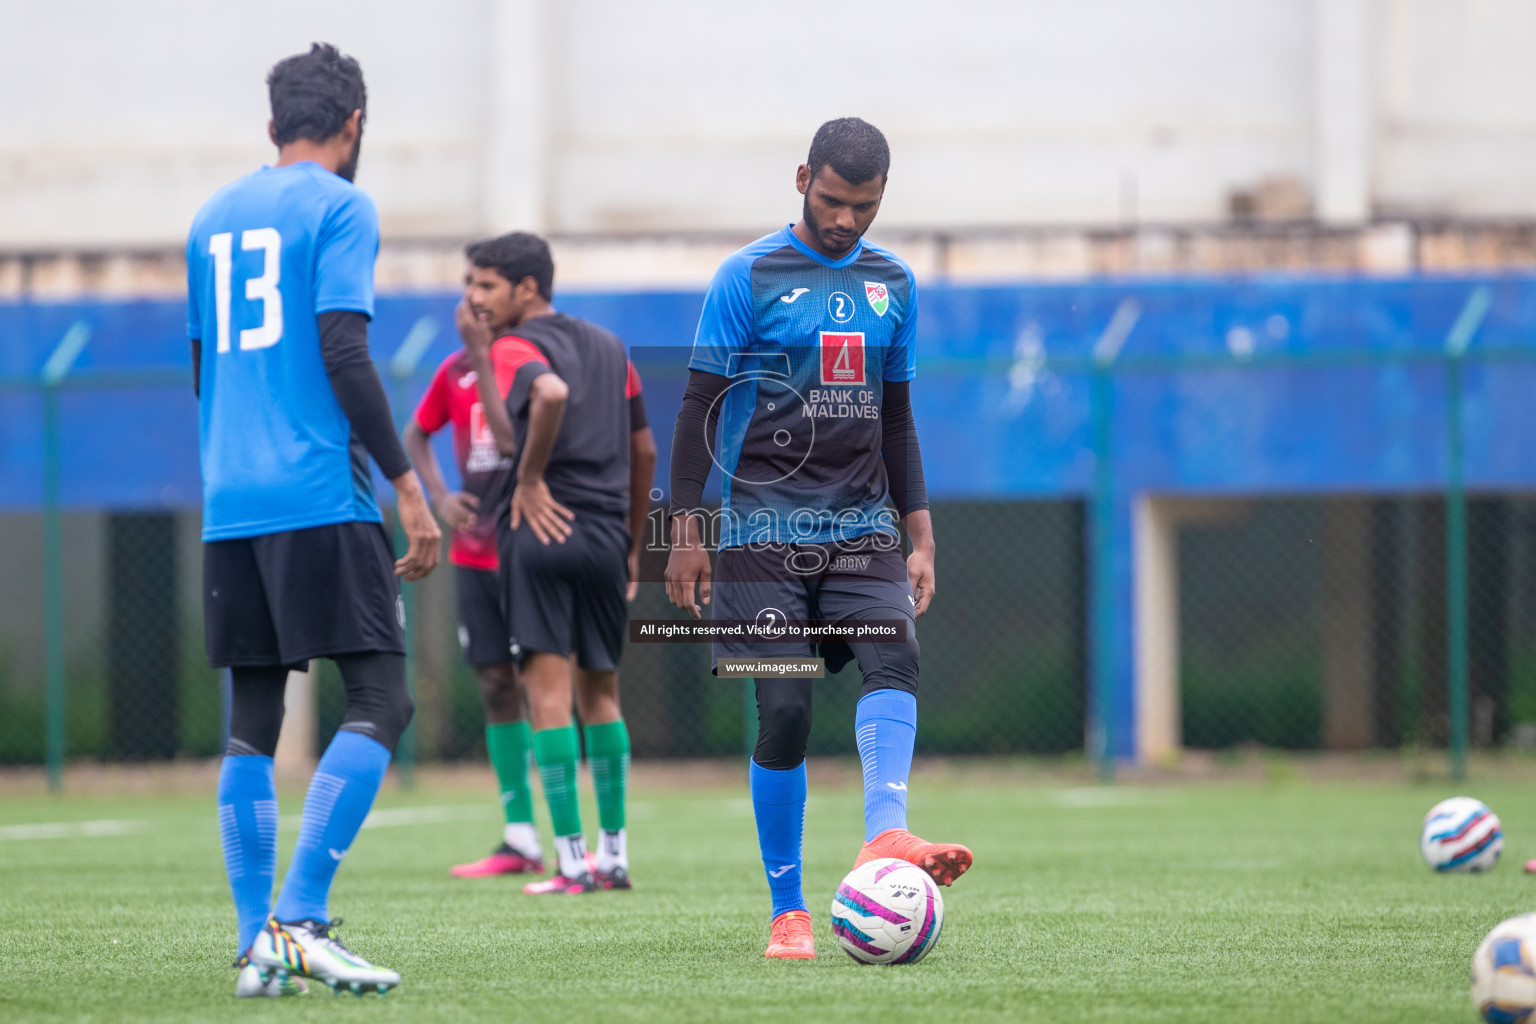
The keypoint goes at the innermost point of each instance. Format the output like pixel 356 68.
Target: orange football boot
pixel 791 938
pixel 945 862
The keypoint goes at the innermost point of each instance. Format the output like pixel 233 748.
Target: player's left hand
pixel 425 540
pixel 549 520
pixel 920 572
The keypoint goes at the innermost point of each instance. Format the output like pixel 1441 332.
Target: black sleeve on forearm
pixel 359 392
pixel 637 417
pixel 899 449
pixel 693 437
pixel 197 367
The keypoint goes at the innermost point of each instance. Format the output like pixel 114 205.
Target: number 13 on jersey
pixel 263 288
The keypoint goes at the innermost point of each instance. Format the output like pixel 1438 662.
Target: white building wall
pixel 118 118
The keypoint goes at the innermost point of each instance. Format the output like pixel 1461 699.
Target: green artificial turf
pixel 1296 901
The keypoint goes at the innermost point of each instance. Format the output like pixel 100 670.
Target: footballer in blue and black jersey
pixel 809 344
pixel 802 365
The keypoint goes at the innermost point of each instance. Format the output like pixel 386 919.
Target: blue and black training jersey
pixel 265 257
pixel 808 343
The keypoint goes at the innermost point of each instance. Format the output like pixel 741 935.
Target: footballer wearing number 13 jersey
pixel 296 562
pixel 803 360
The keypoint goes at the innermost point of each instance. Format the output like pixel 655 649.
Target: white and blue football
pixel 887 912
pixel 1504 972
pixel 1461 834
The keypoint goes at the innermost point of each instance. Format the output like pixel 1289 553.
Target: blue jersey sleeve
pixel 345 250
pixel 194 287
pixel 901 359
pixel 725 325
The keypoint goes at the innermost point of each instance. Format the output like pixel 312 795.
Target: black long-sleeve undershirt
pixel 700 413
pixel 693 438
pixel 355 382
pixel 359 392
pixel 899 449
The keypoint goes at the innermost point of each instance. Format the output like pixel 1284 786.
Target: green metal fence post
pixel 54 371
pixel 1101 555
pixel 1104 664
pixel 402 366
pixel 1467 323
pixel 53 592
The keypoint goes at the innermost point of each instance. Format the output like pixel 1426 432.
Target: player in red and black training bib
pixel 573 421
pixel 804 358
pixel 485 474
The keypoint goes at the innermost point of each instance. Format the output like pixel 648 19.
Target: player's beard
pixel 826 243
pixel 348 170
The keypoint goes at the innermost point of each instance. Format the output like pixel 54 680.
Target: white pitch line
pixel 425 815
pixel 382 818
pixel 1098 796
pixel 393 816
pixel 72 829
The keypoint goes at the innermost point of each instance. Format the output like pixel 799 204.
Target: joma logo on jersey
pixel 842 357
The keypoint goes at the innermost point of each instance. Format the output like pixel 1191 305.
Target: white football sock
pixel 524 838
pixel 573 855
pixel 612 851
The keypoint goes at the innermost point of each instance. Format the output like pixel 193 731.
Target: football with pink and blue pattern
pixel 887 912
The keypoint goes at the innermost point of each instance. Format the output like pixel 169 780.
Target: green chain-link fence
pixel 1302 623
pixel 1311 623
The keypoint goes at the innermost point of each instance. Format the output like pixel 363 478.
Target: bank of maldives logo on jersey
pixel 842 357
pixel 483 455
pixel 879 297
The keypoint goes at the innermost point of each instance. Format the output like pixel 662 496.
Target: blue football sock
pixel 885 727
pixel 248 828
pixel 340 795
pixel 778 803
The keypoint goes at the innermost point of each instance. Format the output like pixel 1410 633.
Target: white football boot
pixel 312 949
pixel 264 983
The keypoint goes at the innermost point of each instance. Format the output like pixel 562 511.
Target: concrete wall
pixel 118 119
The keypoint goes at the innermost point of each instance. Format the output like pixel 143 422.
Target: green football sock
pixel 510 746
pixel 555 752
pixel 608 754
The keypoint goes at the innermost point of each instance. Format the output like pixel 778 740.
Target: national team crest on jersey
pixel 842 357
pixel 879 297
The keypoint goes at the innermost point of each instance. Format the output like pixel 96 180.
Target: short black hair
pixel 515 257
pixel 852 147
pixel 314 93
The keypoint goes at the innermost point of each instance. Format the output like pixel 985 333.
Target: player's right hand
pixel 687 567
pixel 473 330
pixel 457 509
pixel 424 540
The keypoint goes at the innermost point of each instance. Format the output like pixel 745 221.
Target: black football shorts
pixel 283 598
pixel 568 598
pixel 846 581
pixel 483 633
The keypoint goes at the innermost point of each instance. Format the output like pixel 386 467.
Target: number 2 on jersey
pixel 221 248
